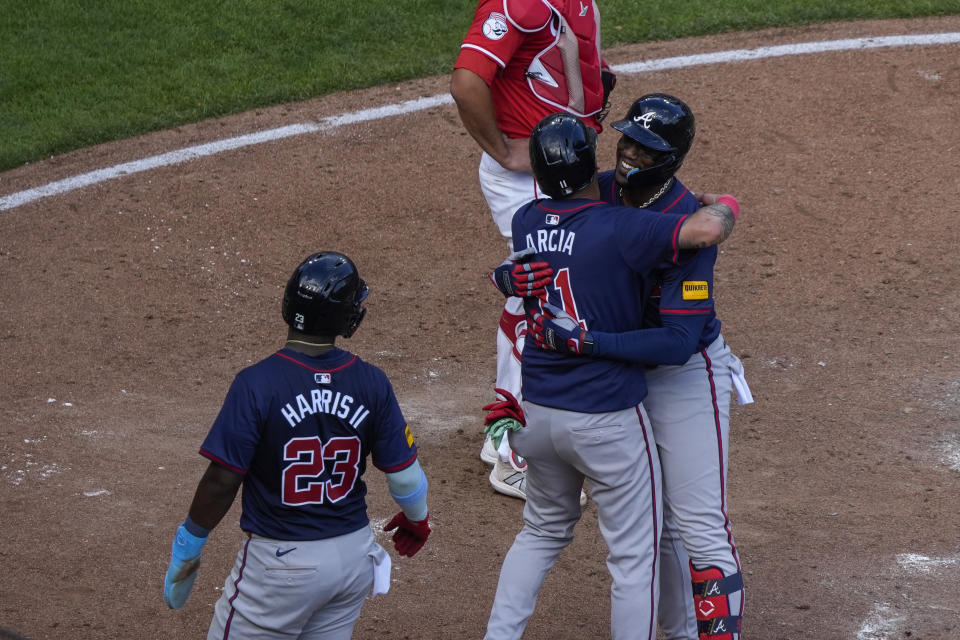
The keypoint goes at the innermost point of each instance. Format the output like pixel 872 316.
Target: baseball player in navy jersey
pixel 520 61
pixel 295 431
pixel 584 416
pixel 689 399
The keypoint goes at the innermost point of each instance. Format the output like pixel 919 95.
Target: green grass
pixel 632 21
pixel 74 74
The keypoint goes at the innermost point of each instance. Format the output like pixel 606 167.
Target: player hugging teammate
pixel 664 322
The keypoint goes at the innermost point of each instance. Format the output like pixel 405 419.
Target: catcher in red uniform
pixel 520 61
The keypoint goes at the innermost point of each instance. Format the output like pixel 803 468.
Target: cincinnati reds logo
pixel 495 26
pixel 520 330
pixel 645 119
pixel 519 335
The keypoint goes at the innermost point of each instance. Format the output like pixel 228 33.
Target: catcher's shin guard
pixel 710 599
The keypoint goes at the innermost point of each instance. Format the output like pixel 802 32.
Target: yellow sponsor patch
pixel 695 290
pixel 406 432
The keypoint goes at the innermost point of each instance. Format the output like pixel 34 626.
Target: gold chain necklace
pixel 311 344
pixel 656 196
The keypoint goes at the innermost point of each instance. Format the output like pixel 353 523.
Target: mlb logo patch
pixel 322 378
pixel 553 219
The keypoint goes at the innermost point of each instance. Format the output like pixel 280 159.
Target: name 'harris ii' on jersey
pixel 325 401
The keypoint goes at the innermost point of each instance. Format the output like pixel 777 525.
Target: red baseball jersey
pixel 537 57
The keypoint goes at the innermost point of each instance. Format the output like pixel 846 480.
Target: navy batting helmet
pixel 563 154
pixel 325 295
pixel 665 126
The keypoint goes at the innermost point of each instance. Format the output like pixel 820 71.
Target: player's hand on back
pixel 707 199
pixel 520 276
pixel 556 330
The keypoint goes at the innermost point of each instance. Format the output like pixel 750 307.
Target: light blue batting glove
pixel 184 563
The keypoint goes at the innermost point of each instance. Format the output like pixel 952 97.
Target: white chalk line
pixel 411 106
pixel 883 623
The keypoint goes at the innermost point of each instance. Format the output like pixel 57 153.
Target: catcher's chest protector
pixel 566 74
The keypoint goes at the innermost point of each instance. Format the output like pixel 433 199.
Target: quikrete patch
pixel 695 290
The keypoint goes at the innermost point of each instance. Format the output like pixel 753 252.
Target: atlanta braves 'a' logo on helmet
pixel 645 119
pixel 664 126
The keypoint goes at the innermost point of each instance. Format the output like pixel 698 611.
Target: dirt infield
pixel 126 307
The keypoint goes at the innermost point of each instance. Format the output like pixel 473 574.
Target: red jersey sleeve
pixel 479 62
pixel 491 38
pixel 504 39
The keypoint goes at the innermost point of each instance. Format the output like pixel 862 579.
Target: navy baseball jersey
pixel 300 429
pixel 602 255
pixel 681 296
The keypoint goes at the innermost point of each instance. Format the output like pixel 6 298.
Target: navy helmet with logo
pixel 663 125
pixel 325 295
pixel 563 154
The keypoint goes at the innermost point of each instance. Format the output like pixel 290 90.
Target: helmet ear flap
pixel 657 174
pixel 354 323
pixel 592 137
pixel 355 319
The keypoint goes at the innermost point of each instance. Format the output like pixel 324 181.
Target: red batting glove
pixel 508 408
pixel 530 279
pixel 558 331
pixel 518 276
pixel 410 536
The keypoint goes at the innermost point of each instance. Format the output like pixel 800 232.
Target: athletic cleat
pixel 507 480
pixel 488 453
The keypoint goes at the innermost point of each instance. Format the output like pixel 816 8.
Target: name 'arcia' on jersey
pixel 324 401
pixel 558 240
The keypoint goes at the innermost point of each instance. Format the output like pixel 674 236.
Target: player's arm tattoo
pixel 725 214
pixel 719 219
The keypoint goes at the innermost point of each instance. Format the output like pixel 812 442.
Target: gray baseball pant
pixel 615 451
pixel 312 590
pixel 689 409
